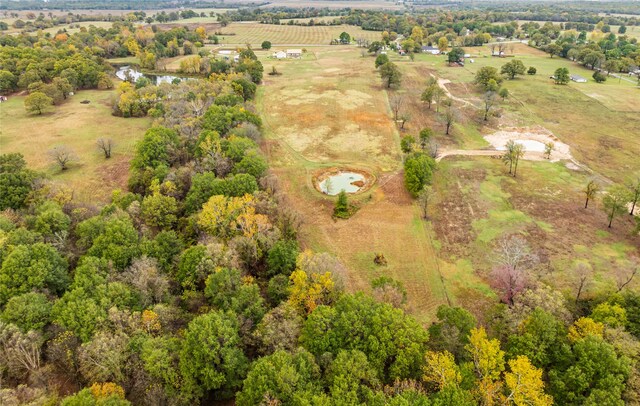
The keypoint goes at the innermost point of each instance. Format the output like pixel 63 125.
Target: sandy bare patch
pixel 533 140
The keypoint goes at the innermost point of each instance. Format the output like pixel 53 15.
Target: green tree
pixel 37 102
pixel 15 181
pixel 393 342
pixel 406 143
pixel 455 55
pixel 114 239
pixel 155 148
pixel 485 75
pixel 594 373
pixel 615 201
pixel 281 258
pixel 504 93
pixel 210 357
pixel 532 70
pixel 252 164
pixel 599 77
pixel 611 315
pixel 226 290
pixel 266 45
pixel 281 377
pixel 513 68
pixel 27 267
pixel 341 209
pixel 381 60
pixel 351 379
pixel 159 210
pixel 345 38
pixel 390 75
pixel 29 311
pixel 8 82
pixel 451 331
pixel 561 76
pixel 418 170
pixel 542 338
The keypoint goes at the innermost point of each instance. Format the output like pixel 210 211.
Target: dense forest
pixel 191 286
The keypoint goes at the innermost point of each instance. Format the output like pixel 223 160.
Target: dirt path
pixel 442 83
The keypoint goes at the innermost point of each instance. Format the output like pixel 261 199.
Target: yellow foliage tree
pixel 443 44
pixel 201 32
pixel 488 361
pixel 441 369
pixel 525 384
pixel 106 390
pixel 584 327
pixel 307 289
pixel 227 217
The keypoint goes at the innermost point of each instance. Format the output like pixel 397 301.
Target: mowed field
pixel 476 202
pixel 600 121
pixel 331 111
pixel 256 33
pixel 76 126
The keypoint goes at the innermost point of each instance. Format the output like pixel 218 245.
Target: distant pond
pixel 131 74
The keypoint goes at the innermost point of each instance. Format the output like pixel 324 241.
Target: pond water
pixel 132 74
pixel 529 145
pixel 350 182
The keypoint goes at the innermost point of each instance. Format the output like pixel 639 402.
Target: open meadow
pixel 76 126
pixel 331 111
pixel 243 33
pixel 598 120
pixel 477 202
pixel 316 116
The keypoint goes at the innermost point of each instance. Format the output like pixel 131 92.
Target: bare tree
pixel 583 274
pixel 403 120
pixel 105 145
pixel 626 274
pixel 62 156
pixel 509 282
pixel 451 115
pixel 514 251
pixel 590 191
pixel 19 352
pixel 490 99
pixel 397 102
pixel 423 200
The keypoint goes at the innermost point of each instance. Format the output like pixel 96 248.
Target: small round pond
pixel 334 181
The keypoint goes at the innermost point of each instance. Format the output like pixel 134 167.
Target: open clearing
pixel 255 33
pixel 598 121
pixel 331 111
pixel 76 126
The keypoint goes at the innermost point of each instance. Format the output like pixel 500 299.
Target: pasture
pixel 317 116
pixel 331 111
pixel 76 126
pixel 255 33
pixel 598 120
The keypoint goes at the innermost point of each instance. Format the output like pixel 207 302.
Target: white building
pixel 294 53
pixel 430 50
pixel 279 55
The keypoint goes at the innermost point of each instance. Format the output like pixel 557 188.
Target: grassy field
pixel 255 33
pixel 318 117
pixel 598 121
pixel 478 203
pixel 76 126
